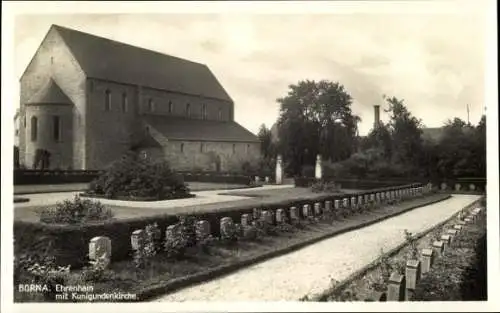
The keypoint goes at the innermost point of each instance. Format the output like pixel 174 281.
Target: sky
pixel 435 62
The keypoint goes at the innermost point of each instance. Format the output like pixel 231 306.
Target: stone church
pixel 88 100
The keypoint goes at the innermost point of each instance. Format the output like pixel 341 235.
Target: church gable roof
pixel 50 93
pixel 106 59
pixel 175 128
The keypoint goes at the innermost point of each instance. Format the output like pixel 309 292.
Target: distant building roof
pixel 176 128
pixel 50 93
pixel 106 59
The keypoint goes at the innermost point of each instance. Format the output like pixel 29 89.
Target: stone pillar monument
pixel 318 173
pixel 279 170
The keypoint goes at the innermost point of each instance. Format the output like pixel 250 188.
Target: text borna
pixel 58 288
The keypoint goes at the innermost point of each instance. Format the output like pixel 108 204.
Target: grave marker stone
pixel 267 217
pixel 137 239
pixel 446 239
pixel 100 249
pixel 280 216
pixel 294 217
pixel 427 260
pixel 444 186
pixel 396 288
pixel 412 275
pixel 438 247
pixel 245 220
pixel 226 226
pixel 202 230
pixel 317 209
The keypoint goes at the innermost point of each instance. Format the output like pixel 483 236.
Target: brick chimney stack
pixel 376 121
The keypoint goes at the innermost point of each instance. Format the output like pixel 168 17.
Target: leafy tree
pixel 267 146
pixel 406 133
pixel 379 138
pixel 462 150
pixel 316 117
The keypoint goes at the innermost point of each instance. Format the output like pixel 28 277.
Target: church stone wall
pixel 53 59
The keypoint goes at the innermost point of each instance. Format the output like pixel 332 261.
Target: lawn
pixel 194 186
pixel 253 197
pixel 283 193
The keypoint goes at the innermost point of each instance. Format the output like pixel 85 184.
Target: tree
pixel 379 138
pixel 267 146
pixel 462 150
pixel 406 133
pixel 315 117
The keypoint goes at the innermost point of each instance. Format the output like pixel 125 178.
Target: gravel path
pixel 310 270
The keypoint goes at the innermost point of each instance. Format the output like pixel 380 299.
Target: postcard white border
pixel 10 83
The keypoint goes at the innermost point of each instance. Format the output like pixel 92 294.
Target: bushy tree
pixel 462 150
pixel 267 147
pixel 135 176
pixel 379 138
pixel 406 133
pixel 315 117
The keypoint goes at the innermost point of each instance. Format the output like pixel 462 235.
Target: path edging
pixel 183 282
pixel 322 296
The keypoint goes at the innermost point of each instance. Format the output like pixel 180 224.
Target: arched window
pixel 182 147
pixel 34 128
pixel 124 102
pixel 220 114
pixel 201 147
pixel 170 107
pixel 107 104
pixel 151 105
pixel 234 148
pixel 56 128
pixel 204 111
pixel 188 109
pixel 248 148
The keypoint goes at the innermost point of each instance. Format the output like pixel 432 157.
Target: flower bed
pixel 20 200
pixel 44 177
pixel 132 198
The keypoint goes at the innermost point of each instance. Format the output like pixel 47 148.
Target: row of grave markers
pixel 100 247
pixel 458 187
pixel 402 287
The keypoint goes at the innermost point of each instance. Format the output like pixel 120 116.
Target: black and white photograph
pixel 292 156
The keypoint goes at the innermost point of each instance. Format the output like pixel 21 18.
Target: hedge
pixel 216 178
pixel 355 183
pixel 69 243
pixel 45 177
pixel 350 183
pixel 39 177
